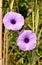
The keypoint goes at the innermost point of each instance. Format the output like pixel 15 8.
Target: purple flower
pixel 30 10
pixel 26 40
pixel 13 21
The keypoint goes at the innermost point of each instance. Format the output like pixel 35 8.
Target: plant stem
pixel 37 17
pixel 39 34
pixel 37 20
pixel 6 38
pixel 17 5
pixel 0 32
pixel 11 4
pixel 6 47
pixel 6 31
pixel 33 20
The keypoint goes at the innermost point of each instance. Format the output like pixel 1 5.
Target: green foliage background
pixel 17 56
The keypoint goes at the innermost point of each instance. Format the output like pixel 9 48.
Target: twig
pixel 6 47
pixel 0 32
pixel 11 6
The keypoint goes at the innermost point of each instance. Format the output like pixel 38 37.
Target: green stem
pixel 6 35
pixel 39 34
pixel 11 4
pixel 17 5
pixel 37 20
pixel 36 17
pixel 33 20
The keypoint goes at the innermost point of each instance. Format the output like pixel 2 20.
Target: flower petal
pixel 32 40
pixel 17 17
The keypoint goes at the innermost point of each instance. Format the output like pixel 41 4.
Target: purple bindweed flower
pixel 13 21
pixel 26 40
pixel 30 10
